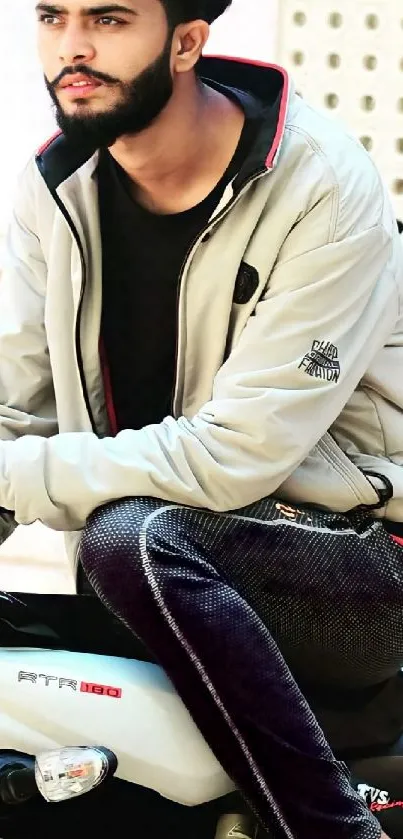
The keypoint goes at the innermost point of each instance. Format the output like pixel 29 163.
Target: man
pixel 200 371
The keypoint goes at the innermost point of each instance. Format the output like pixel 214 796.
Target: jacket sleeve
pixel 27 404
pixel 268 407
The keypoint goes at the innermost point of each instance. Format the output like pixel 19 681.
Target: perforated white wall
pixel 346 56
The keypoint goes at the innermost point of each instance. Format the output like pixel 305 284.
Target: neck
pixel 185 151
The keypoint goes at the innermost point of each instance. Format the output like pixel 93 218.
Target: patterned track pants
pixel 223 601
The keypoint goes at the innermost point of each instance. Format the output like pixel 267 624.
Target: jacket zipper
pixel 78 319
pixel 79 357
pixel 192 250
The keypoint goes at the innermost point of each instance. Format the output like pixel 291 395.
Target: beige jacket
pixel 290 334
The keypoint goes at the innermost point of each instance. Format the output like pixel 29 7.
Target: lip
pixel 70 85
pixel 82 91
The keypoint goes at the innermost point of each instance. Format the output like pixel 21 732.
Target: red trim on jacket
pixel 110 406
pixel 49 142
pixel 284 98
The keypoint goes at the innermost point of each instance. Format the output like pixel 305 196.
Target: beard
pixel 144 98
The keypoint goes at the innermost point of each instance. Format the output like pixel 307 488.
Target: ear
pixel 188 44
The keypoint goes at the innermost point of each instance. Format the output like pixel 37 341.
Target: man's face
pixel 124 51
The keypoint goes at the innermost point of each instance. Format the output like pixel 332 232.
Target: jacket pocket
pixel 349 473
pixel 327 478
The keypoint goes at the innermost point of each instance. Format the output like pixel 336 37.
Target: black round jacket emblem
pixel 246 283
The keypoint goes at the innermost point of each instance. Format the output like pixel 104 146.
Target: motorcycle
pixel 89 722
pixel 72 675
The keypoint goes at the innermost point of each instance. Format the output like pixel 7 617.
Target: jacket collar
pixel 262 90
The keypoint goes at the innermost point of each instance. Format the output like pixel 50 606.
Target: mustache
pixel 85 71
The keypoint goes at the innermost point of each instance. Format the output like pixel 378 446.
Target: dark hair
pixel 183 11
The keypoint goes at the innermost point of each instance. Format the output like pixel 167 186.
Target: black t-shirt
pixel 143 254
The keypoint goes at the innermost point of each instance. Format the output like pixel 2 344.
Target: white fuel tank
pixel 50 699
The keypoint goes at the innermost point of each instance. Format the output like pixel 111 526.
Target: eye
pixel 48 20
pixel 111 21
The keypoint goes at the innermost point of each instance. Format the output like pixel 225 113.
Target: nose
pixel 75 46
